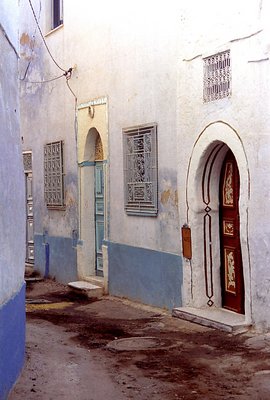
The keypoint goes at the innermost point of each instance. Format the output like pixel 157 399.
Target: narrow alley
pixel 95 349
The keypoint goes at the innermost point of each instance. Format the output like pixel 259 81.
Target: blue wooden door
pixel 99 215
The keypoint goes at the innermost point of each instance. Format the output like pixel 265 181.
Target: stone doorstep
pixel 87 288
pixel 217 318
pixel 95 280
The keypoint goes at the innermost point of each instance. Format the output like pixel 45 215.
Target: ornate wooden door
pixel 231 258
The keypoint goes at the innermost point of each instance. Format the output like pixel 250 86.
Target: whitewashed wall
pixel 12 207
pixel 127 52
pixel 241 27
pixel 9 12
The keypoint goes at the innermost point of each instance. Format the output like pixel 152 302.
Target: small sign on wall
pixel 186 242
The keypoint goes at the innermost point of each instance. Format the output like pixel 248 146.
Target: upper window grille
pixel 217 76
pixel 27 162
pixel 140 170
pixel 54 175
pixel 57 13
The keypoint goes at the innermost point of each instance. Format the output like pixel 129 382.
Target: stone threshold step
pixel 95 280
pixel 217 318
pixel 87 288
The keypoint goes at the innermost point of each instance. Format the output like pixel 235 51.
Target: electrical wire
pixel 43 39
pixel 67 79
pixel 66 73
pixel 32 46
pixel 75 112
pixel 45 81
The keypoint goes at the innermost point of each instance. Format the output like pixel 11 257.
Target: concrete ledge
pixel 86 288
pixel 94 280
pixel 217 318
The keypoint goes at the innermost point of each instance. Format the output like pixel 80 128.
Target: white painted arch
pixel 216 138
pixel 91 125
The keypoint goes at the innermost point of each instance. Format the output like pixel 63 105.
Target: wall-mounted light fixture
pixel 91 111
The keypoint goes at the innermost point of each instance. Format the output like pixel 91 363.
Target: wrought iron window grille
pixel 140 170
pixel 27 161
pixel 217 76
pixel 54 175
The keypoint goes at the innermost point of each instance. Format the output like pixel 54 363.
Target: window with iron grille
pixel 57 13
pixel 54 175
pixel 140 170
pixel 217 76
pixel 27 161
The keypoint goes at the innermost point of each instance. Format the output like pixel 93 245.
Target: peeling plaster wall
pixel 48 115
pixel 127 53
pixel 9 11
pixel 148 64
pixel 118 55
pixel 241 27
pixel 12 231
pixel 12 207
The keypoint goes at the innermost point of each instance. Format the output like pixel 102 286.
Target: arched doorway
pixel 232 280
pixel 203 277
pixel 92 162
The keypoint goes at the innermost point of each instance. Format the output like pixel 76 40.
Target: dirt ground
pixel 68 356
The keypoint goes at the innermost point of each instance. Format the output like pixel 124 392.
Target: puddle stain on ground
pixel 48 306
pixel 197 362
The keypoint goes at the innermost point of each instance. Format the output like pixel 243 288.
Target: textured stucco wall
pixel 12 207
pixel 135 65
pixel 12 341
pixel 48 115
pixel 153 72
pixel 12 233
pixel 132 63
pixel 242 28
pixel 148 276
pixel 9 12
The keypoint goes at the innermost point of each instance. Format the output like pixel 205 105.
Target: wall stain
pixel 169 194
pixel 25 39
pixel 176 198
pixel 165 195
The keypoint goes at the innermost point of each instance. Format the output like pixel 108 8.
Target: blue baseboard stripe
pixel 12 341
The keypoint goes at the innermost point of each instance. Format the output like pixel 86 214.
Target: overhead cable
pixel 32 45
pixel 46 80
pixel 44 41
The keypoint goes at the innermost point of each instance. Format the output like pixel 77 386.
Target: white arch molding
pixel 206 159
pixel 92 133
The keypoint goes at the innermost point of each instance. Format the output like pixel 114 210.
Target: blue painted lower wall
pixel 56 256
pixel 12 341
pixel 144 275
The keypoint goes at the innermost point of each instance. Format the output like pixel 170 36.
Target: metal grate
pixel 140 170
pixel 53 175
pixel 27 162
pixel 217 77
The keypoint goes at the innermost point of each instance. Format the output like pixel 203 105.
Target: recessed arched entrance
pixel 204 281
pixel 92 161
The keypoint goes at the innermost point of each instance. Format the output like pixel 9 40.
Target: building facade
pixel 12 288
pixel 139 124
pixel 124 78
pixel 223 130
